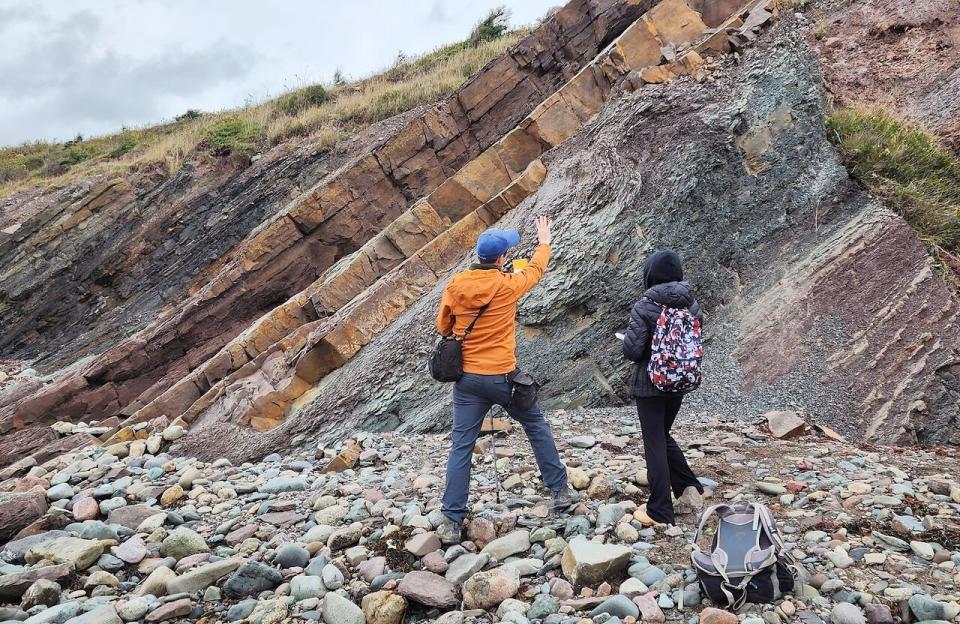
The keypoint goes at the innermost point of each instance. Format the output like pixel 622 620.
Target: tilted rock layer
pixel 365 190
pixel 809 283
pixel 318 321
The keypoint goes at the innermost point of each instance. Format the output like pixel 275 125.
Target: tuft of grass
pixel 793 5
pixel 493 26
pixel 233 135
pixel 353 106
pixel 297 101
pixel 191 113
pixel 127 143
pixel 328 114
pixel 820 28
pixel 905 166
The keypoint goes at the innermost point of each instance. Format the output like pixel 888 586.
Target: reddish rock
pixel 49 522
pixel 423 543
pixel 19 442
pixel 13 585
pixel 434 562
pixel 614 443
pixel 132 515
pixel 942 555
pixel 710 615
pixel 19 510
pixel 283 518
pixel 795 486
pixel 785 424
pixel 190 562
pixel 649 609
pixel 170 610
pixel 27 483
pixel 86 508
pixel 428 589
pixel 481 531
pixel 561 588
pixel 372 568
pixel 236 536
pixel 131 551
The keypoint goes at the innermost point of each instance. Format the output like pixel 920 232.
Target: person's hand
pixel 544 224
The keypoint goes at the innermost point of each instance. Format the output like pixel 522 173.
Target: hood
pixel 672 294
pixel 661 267
pixel 475 287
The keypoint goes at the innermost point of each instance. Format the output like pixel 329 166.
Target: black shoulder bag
pixel 446 361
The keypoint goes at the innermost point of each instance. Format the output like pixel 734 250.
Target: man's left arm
pixel 445 317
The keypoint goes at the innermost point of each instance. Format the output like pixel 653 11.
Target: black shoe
pixel 564 499
pixel 450 531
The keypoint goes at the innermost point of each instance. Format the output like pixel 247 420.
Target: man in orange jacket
pixel 489 358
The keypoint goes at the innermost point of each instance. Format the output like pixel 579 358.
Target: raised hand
pixel 544 224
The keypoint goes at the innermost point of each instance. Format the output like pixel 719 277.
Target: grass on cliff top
pixel 905 166
pixel 326 113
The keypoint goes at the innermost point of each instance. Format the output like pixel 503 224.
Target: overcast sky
pixel 93 66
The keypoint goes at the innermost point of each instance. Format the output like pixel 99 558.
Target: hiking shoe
pixel 564 499
pixel 641 516
pixel 450 531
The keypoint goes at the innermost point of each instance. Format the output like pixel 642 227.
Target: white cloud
pixel 92 66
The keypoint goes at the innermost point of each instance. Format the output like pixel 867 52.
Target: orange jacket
pixel 491 347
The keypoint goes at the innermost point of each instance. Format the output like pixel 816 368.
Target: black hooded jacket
pixel 663 280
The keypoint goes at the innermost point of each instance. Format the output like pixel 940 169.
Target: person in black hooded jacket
pixel 667 468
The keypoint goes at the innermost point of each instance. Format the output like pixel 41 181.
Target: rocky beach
pixel 130 533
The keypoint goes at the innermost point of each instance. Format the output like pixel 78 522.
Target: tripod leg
pixel 493 449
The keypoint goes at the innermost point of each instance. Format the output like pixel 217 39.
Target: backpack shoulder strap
pixel 480 312
pixel 708 513
pixel 765 519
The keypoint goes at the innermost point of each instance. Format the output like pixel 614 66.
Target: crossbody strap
pixel 480 312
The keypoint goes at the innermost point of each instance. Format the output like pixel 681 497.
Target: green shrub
pixel 233 135
pixel 300 100
pixel 493 26
pixel 906 167
pixel 127 143
pixel 187 116
pixel 76 153
pixel 12 169
pixel 33 162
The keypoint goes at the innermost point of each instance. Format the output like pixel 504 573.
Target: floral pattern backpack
pixel 676 351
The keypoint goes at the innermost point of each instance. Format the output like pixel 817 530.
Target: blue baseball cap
pixel 495 242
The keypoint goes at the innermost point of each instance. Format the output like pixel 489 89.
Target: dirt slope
pixel 903 55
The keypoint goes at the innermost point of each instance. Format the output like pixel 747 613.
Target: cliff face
pixel 214 290
pixel 95 262
pixel 613 118
pixel 819 299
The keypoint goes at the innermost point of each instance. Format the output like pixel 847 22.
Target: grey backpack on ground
pixel 746 561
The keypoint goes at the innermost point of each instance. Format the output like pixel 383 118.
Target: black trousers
pixel 667 468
